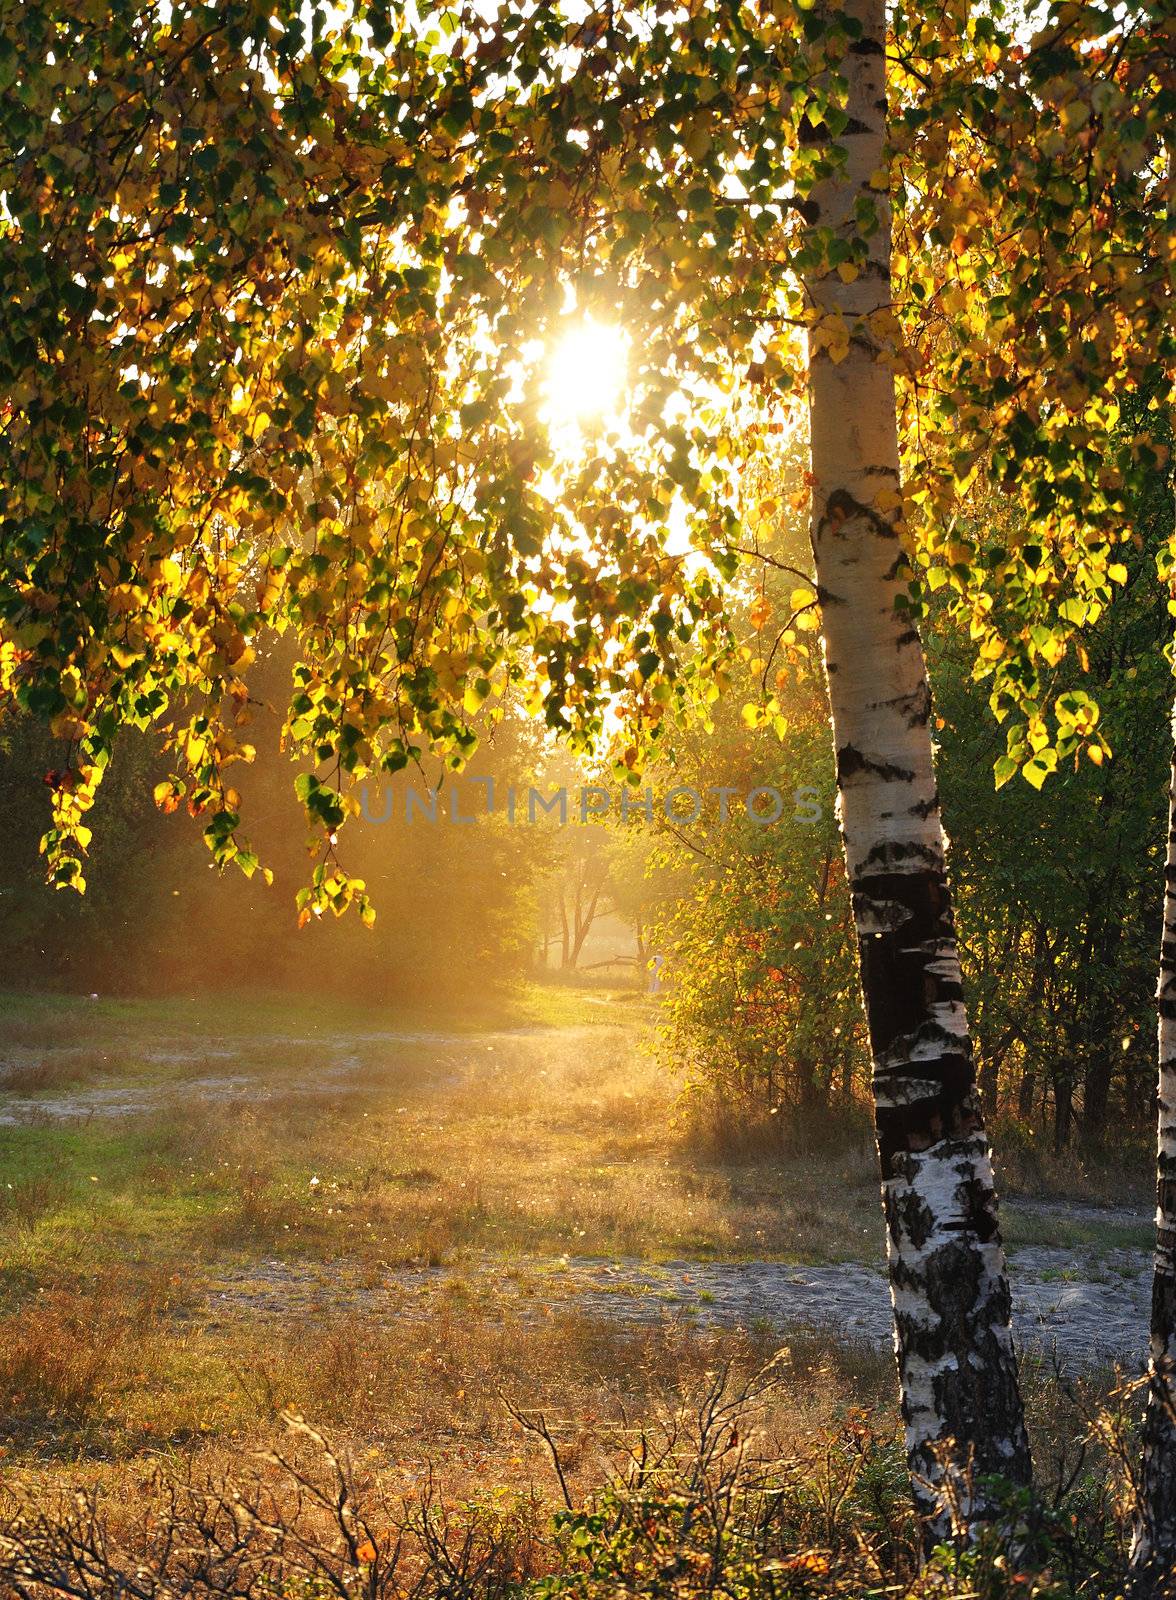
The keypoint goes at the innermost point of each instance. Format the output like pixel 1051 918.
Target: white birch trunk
pixel 957 1368
pixel 1153 1550
pixel 1153 1545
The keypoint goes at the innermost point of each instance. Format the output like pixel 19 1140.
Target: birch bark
pixel 1153 1548
pixel 957 1368
pixel 1154 1543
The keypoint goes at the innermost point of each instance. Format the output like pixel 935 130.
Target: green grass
pixel 52 1020
pixel 1024 1228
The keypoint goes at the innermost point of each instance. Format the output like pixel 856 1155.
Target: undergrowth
pixel 714 1493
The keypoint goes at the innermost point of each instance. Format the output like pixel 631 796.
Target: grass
pixel 101 1373
pixel 473 1421
pixel 441 1424
pixel 390 1146
pixel 274 1129
pixel 176 1277
pixel 1121 1174
pixel 1028 1228
pixel 47 1023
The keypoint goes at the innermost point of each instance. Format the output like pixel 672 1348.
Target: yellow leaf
pixel 698 141
pixel 1053 650
pixel 167 796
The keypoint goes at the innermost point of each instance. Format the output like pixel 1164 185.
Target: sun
pixel 586 372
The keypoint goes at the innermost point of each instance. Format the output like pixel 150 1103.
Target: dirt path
pixel 1090 1313
pixel 341 1067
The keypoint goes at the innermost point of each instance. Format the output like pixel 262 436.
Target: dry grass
pixel 67 1356
pixel 517 1145
pixel 105 1373
pixel 552 1142
pixel 568 1146
pixel 432 1428
pixel 1121 1174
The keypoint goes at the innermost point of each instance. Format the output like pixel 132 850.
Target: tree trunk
pixel 1063 1091
pixel 583 922
pixel 989 1080
pixel 1103 1010
pixel 1153 1551
pixel 1025 1094
pixel 1096 1092
pixel 847 1073
pixel 1102 1039
pixel 957 1369
pixel 1042 956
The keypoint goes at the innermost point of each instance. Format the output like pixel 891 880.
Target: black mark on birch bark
pixel 842 507
pixel 851 761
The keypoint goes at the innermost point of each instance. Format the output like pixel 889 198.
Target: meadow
pixel 218 1217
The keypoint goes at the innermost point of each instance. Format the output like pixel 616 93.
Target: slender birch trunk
pixel 1154 1544
pixel 957 1368
pixel 1153 1548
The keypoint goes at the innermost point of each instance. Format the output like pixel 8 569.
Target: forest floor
pixel 211 1211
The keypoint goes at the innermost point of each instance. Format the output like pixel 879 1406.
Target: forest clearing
pixel 588 867
pixel 217 1214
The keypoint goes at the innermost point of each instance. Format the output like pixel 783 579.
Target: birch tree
pixel 1153 1551
pixel 1154 1542
pixel 1051 188
pixel 958 1375
pixel 291 405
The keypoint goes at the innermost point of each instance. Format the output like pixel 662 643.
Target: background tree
pixel 459 902
pixel 1056 890
pixel 762 998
